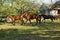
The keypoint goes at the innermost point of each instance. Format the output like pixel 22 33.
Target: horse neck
pixel 22 15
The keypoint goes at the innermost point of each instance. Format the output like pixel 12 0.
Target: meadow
pixel 43 31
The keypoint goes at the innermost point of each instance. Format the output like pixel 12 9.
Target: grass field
pixel 42 31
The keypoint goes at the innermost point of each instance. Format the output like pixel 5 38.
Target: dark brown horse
pixel 13 18
pixel 51 17
pixel 32 16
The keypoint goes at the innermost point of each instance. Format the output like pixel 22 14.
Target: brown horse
pixel 32 16
pixel 13 18
pixel 51 17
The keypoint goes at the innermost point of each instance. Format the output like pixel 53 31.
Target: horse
pixel 51 17
pixel 13 18
pixel 29 17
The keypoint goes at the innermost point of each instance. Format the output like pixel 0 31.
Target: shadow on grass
pixel 46 25
pixel 41 26
pixel 19 34
pixel 49 25
pixel 1 23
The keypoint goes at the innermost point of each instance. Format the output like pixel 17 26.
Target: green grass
pixel 42 31
pixel 17 34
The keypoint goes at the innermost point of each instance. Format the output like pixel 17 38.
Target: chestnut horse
pixel 13 18
pixel 33 16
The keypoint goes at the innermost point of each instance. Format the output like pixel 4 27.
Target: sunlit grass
pixel 43 31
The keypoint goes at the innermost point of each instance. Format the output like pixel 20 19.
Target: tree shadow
pixel 1 23
pixel 49 26
pixel 15 34
pixel 45 26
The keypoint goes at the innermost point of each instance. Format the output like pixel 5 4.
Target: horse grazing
pixel 32 16
pixel 13 18
pixel 51 17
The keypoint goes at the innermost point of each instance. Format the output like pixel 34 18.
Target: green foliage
pixel 9 7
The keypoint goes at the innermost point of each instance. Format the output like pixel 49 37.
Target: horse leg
pixel 52 20
pixel 44 20
pixel 30 21
pixel 37 21
pixel 22 22
pixel 13 21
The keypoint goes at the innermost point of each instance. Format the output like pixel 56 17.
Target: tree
pixel 18 6
pixel 57 4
